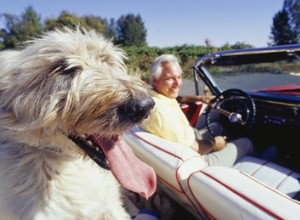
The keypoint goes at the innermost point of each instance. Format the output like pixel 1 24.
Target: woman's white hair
pixel 156 66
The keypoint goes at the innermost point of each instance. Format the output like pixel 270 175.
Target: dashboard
pixel 277 113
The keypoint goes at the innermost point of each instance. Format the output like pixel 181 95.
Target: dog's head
pixel 74 85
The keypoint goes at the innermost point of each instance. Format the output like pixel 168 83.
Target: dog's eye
pixel 72 70
pixel 63 68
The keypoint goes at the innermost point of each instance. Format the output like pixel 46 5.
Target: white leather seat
pixel 251 189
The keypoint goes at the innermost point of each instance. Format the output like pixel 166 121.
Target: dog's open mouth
pixel 114 154
pixel 88 145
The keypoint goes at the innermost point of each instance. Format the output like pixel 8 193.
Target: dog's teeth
pixel 90 143
pixel 82 136
pixel 97 149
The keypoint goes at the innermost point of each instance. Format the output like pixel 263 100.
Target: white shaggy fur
pixel 65 82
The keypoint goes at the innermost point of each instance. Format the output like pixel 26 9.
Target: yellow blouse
pixel 168 121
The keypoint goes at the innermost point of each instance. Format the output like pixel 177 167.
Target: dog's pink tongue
pixel 131 173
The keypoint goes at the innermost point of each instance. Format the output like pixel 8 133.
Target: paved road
pixel 245 82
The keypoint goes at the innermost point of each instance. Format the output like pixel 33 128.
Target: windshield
pixel 251 77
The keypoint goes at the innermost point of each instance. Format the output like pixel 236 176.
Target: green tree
pixel 286 24
pixel 8 34
pixel 293 9
pixel 30 23
pixel 65 19
pixel 111 28
pixel 240 45
pixel 131 31
pixel 281 31
pixel 71 21
pixel 226 46
pixel 95 22
pixel 19 29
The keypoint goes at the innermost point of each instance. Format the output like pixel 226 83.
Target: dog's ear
pixel 62 67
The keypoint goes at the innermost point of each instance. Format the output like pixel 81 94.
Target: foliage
pixel 240 45
pixel 281 30
pixel 128 32
pixel 236 46
pixel 286 24
pixel 140 58
pixel 131 31
pixel 111 28
pixel 66 19
pixel 293 9
pixel 19 29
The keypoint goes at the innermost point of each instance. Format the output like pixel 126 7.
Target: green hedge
pixel 140 58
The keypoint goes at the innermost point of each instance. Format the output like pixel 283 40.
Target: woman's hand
pixel 206 98
pixel 199 98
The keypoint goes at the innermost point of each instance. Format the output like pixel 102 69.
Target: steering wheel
pixel 234 110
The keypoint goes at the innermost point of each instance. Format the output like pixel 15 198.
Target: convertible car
pixel 264 185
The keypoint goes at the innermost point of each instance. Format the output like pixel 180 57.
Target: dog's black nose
pixel 137 109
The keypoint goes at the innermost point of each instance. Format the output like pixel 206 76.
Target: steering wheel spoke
pixel 237 111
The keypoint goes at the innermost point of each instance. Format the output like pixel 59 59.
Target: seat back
pixel 251 189
pixel 172 162
pixel 271 174
pixel 226 193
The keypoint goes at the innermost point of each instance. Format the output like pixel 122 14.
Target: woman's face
pixel 170 80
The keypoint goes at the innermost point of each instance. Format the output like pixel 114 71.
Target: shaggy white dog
pixel 64 96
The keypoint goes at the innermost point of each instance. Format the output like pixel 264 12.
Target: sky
pixel 172 22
